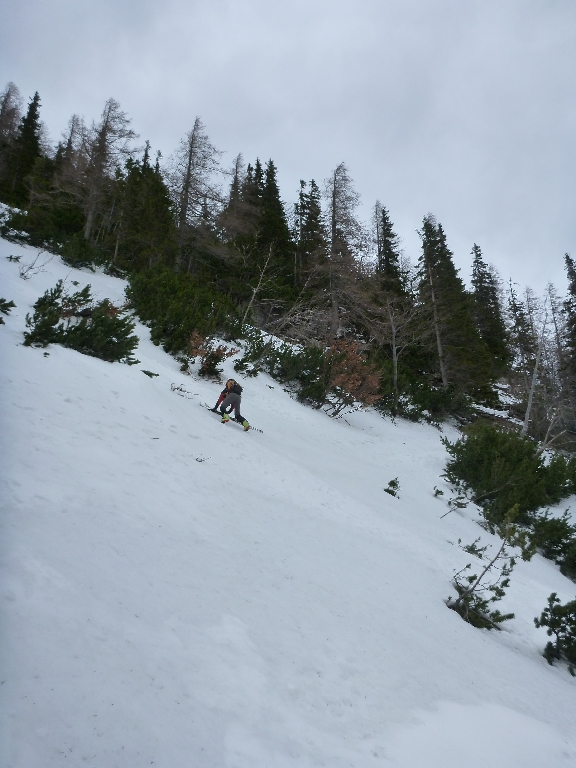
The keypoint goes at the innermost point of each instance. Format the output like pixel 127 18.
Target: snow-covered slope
pixel 179 593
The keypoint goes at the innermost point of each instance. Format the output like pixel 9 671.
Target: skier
pixel 230 398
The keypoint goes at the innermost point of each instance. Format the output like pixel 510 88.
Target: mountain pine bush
pixel 561 622
pixel 210 356
pixel 504 469
pixel 477 593
pixel 5 308
pixel 175 305
pixel 74 321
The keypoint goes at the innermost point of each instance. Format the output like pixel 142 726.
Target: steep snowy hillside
pixel 179 593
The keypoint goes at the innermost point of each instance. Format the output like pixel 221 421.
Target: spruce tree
pixel 24 152
pixel 309 232
pixel 487 311
pixel 522 335
pixel 462 357
pixel 386 242
pixel 273 231
pixel 145 231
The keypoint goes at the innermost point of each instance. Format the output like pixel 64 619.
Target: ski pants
pixel 233 400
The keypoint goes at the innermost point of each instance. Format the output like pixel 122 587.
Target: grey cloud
pixel 463 109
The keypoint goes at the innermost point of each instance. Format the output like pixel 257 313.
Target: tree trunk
pixel 524 429
pixel 394 355
pixel 443 373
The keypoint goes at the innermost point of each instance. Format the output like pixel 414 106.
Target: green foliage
pixel 478 593
pixel 561 622
pixel 554 536
pixel 44 328
pixel 467 361
pixel 147 230
pixel 474 549
pixel 304 368
pixel 487 311
pixel 105 334
pixel 568 561
pixel 387 251
pixel 74 321
pixel 78 252
pixel 175 305
pixel 504 469
pixel 210 356
pixel 337 377
pixel 21 157
pixel 393 487
pixel 5 307
pixel 309 232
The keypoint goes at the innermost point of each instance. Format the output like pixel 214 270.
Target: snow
pixel 269 606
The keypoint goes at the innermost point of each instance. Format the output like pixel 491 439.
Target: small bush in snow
pixel 393 487
pixel 210 356
pixel 337 377
pixel 561 622
pixel 5 307
pixel 78 252
pixel 555 537
pixel 505 469
pixel 477 593
pixel 75 321
pixel 175 305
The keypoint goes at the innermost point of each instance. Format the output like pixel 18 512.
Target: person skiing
pixel 229 400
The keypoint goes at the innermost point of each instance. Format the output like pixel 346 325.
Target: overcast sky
pixel 462 108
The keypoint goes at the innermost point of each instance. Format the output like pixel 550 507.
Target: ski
pixel 232 421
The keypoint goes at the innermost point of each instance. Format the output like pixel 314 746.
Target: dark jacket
pixel 236 388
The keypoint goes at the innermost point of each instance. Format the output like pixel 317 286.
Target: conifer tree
pixel 523 338
pixel 462 357
pixel 273 231
pixel 488 311
pixel 273 226
pixel 25 149
pixel 145 230
pixel 386 243
pixel 309 232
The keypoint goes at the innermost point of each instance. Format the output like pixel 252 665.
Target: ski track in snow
pixel 268 607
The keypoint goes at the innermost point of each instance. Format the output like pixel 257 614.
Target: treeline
pixel 211 250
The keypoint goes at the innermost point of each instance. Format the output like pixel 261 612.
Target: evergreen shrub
pixel 336 377
pixel 210 356
pixel 561 622
pixel 5 308
pixel 554 536
pixel 176 305
pixel 477 593
pixel 568 561
pixel 75 321
pixel 302 367
pixel 78 252
pixel 504 469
